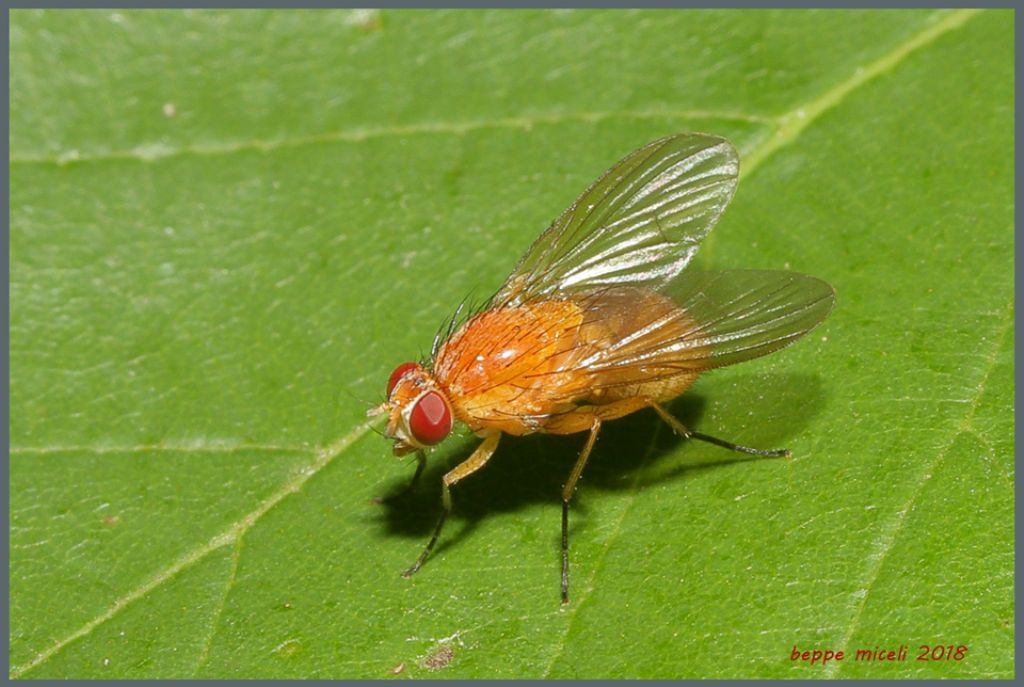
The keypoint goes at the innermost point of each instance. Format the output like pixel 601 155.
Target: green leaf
pixel 228 228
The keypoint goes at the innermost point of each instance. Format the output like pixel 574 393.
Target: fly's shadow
pixel 532 469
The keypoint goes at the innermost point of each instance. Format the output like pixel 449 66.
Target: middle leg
pixel 575 422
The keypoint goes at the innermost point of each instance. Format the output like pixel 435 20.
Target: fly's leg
pixel 597 415
pixel 681 429
pixel 476 461
pixel 567 492
pixel 618 409
pixel 421 464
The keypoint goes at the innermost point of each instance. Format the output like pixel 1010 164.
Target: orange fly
pixel 601 319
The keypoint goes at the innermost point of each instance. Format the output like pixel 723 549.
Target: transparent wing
pixel 714 319
pixel 638 225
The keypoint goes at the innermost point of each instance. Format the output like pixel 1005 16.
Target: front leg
pixel 476 461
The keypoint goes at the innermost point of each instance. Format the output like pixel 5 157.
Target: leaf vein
pixel 151 152
pixel 204 654
pixel 792 123
pixel 231 535
pixel 215 446
pixel 886 541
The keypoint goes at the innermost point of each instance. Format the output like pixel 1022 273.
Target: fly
pixel 601 319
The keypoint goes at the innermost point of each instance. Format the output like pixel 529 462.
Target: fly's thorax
pixel 502 366
pixel 419 411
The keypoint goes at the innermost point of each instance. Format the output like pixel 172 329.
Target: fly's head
pixel 419 414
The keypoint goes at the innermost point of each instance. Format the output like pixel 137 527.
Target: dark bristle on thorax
pixel 467 308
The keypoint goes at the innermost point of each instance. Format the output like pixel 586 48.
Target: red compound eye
pixel 397 374
pixel 430 420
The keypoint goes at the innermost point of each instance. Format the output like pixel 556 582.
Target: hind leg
pixel 681 429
